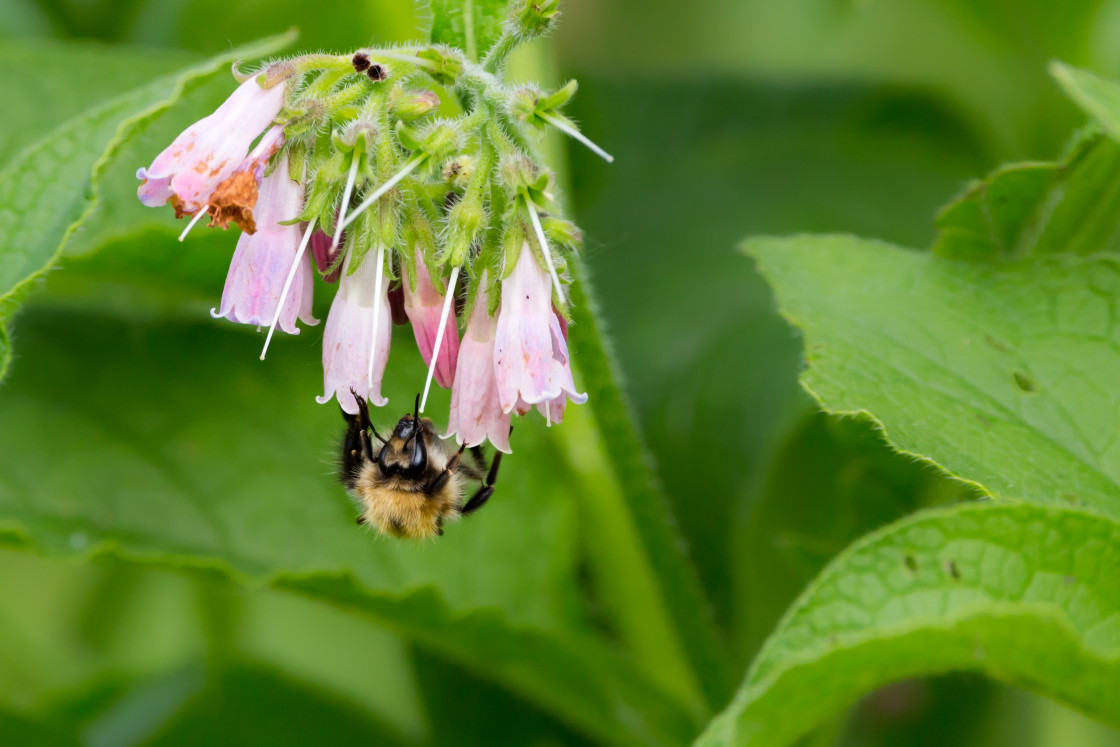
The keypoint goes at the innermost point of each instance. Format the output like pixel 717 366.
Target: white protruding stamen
pixel 570 131
pixel 288 284
pixel 376 313
pixel 447 301
pixel 377 193
pixel 545 251
pixel 197 217
pixel 346 192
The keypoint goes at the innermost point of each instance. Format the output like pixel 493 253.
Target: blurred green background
pixel 727 118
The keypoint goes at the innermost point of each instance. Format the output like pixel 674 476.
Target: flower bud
pixel 346 139
pixel 412 105
pixel 562 232
pixel 459 170
pixel 441 140
pixel 523 105
pixel 464 222
pixel 446 64
pixel 532 18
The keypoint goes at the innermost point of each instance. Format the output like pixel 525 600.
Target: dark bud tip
pixel 361 62
pixel 376 73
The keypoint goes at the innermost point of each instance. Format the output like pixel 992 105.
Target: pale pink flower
pixel 210 151
pixel 530 353
pixel 262 261
pixel 348 338
pixel 234 200
pixel 424 307
pixel 476 412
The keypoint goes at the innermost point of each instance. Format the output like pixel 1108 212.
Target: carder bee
pixel 414 483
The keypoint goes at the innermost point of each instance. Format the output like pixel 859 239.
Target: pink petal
pixel 262 261
pixel 348 338
pixel 476 412
pixel 424 306
pixel 523 346
pixel 209 151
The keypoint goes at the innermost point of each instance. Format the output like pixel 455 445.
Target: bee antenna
pixel 377 435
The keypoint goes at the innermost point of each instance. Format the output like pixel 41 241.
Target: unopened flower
pixel 326 256
pixel 262 261
pixel 424 307
pixel 476 411
pixel 349 338
pixel 530 353
pixel 208 152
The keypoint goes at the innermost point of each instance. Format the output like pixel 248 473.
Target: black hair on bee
pixel 411 483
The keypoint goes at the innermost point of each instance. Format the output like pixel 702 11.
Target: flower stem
pixel 447 301
pixel 545 251
pixel 288 284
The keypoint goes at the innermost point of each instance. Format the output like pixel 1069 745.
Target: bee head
pixel 406 452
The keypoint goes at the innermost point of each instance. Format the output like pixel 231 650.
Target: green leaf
pixel 1025 594
pixel 1100 98
pixel 805 517
pixel 1025 209
pixel 1002 373
pixel 49 188
pixel 471 25
pixel 65 79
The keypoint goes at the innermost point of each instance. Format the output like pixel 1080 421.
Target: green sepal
pixel 446 64
pixel 532 18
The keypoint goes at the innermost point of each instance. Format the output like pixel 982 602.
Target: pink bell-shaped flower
pixel 262 261
pixel 208 152
pixel 530 353
pixel 424 307
pixel 476 411
pixel 349 337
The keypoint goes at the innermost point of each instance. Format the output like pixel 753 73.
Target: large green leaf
pixel 805 517
pixel 471 25
pixel 1026 594
pixel 198 472
pixel 65 79
pixel 50 187
pixel 1002 373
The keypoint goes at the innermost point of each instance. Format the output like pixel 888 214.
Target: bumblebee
pixel 415 483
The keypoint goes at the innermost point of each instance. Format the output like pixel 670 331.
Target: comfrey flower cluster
pixel 343 164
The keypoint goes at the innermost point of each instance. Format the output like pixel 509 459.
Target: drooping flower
pixel 262 261
pixel 476 412
pixel 530 354
pixel 234 199
pixel 349 337
pixel 208 152
pixel 553 409
pixel 424 307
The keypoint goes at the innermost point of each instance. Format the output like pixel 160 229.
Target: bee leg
pixel 361 521
pixel 364 422
pixel 478 500
pixel 441 479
